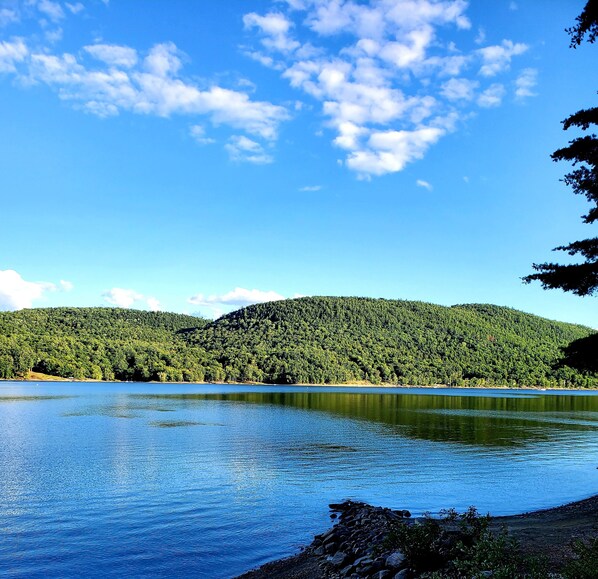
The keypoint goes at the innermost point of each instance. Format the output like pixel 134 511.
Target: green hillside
pixel 102 344
pixel 308 340
pixel 338 340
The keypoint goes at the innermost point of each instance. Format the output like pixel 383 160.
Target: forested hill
pixel 102 344
pixel 338 340
pixel 306 340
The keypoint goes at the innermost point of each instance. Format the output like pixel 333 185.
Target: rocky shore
pixel 355 546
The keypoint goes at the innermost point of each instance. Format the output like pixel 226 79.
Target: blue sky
pixel 200 156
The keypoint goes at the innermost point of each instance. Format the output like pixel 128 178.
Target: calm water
pixel 150 480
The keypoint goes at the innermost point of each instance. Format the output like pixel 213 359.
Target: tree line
pixel 316 340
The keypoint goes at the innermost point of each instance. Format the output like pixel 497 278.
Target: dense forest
pixel 325 340
pixel 102 344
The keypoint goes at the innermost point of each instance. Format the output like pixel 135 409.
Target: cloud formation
pixel 216 304
pixel 525 83
pixel 240 148
pixel 391 87
pixel 106 79
pixel 17 293
pixel 388 81
pixel 126 298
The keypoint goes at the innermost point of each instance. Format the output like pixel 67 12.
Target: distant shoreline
pixel 38 377
pixel 547 533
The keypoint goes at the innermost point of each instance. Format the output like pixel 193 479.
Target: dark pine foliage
pixel 582 152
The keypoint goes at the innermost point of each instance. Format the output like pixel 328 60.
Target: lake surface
pixel 155 480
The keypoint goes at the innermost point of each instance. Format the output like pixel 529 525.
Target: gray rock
pixel 319 551
pixel 402 574
pixel 384 574
pixel 395 559
pixel 363 561
pixel 338 559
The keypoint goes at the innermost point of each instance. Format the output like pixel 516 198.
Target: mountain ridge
pixel 311 340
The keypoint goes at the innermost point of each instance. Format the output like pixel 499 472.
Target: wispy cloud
pixel 492 96
pixel 11 54
pixel 107 79
pixel 240 148
pixel 199 135
pixel 17 293
pixel 151 85
pixel 391 87
pixel 113 55
pixel 311 188
pixel 7 16
pixel 525 84
pixel 497 58
pixel 126 298
pixel 216 304
pixel 424 184
pixel 75 8
pixel 52 10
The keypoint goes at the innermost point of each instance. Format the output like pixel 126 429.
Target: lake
pixel 157 480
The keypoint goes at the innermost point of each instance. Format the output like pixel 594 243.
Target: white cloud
pixel 113 55
pixel 275 27
pixel 16 293
pixel 75 8
pixel 66 286
pixel 238 297
pixel 240 148
pixel 53 10
pixel 525 83
pixel 12 53
pixel 217 304
pixel 459 89
pixel 391 151
pixel 481 37
pixel 7 16
pixel 311 188
pixel 55 35
pixel 108 79
pixel 424 184
pixel 498 58
pixel 153 89
pixel 388 84
pixel 492 96
pixel 122 298
pixel 126 298
pixel 153 304
pixel 199 135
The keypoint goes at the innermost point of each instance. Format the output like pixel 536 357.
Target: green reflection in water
pixel 479 420
pixel 123 409
pixel 177 423
pixel 32 398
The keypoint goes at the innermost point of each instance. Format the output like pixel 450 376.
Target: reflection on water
pixel 30 398
pixel 494 421
pixel 145 480
pixel 176 423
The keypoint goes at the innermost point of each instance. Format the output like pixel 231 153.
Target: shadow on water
pixel 179 423
pixel 32 398
pixel 475 420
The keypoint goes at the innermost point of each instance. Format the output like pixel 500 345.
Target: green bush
pixel 461 546
pixel 585 563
